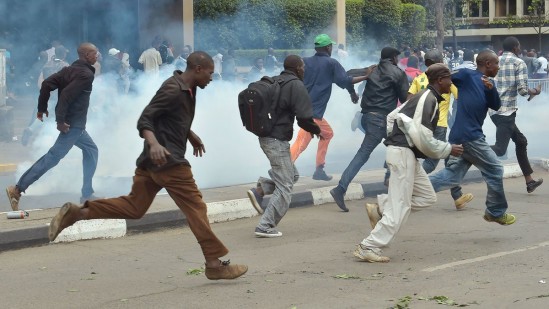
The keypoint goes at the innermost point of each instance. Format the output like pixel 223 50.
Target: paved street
pixel 439 252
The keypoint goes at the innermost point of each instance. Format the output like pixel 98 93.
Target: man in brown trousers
pixel 165 124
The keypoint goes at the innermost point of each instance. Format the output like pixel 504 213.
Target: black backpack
pixel 259 102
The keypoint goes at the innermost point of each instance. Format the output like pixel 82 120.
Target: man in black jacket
pixel 165 125
pixel 74 86
pixel 386 85
pixel 294 103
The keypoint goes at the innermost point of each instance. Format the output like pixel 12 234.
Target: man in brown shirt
pixel 165 124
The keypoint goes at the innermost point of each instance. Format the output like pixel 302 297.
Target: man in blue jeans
pixel 386 85
pixel 74 85
pixel 476 95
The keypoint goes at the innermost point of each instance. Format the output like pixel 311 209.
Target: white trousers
pixel 409 187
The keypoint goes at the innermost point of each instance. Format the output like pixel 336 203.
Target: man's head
pixel 433 56
pixel 323 43
pixel 488 63
pixel 60 52
pixel 87 52
pixel 390 53
pixel 270 51
pixel 341 46
pixel 258 62
pixel 200 68
pixel 512 44
pixel 413 62
pixel 439 77
pixel 295 64
pixel 185 52
pixel 468 55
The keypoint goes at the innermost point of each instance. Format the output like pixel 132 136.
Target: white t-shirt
pixel 543 66
pixel 151 60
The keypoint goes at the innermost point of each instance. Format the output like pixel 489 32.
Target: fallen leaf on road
pixel 346 276
pixel 195 271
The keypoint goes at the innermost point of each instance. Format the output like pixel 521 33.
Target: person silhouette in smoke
pixel 74 85
pixel 165 125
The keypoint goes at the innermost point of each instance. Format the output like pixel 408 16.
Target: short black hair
pixel 199 58
pixel 509 43
pixel 468 55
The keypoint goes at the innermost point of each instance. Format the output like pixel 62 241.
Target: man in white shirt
pixel 542 71
pixel 150 59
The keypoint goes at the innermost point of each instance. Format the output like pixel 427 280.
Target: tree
pixel 538 18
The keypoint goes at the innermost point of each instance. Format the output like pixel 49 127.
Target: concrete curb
pixel 217 212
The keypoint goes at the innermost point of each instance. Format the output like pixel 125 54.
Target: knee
pixel 521 142
pixel 327 135
pixel 499 151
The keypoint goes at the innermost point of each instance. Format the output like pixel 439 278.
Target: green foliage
pixel 260 23
pixel 412 23
pixel 354 21
pixel 383 19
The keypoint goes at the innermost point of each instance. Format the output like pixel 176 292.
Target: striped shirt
pixel 512 79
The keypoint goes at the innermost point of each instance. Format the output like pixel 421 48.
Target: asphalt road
pixel 439 252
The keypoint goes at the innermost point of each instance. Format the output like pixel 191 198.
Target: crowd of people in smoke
pixel 405 103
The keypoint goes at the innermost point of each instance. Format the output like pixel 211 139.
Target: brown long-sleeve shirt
pixel 169 115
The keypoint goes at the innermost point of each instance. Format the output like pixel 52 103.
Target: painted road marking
pixel 484 258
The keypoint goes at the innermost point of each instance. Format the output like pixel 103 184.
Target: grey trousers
pixel 283 174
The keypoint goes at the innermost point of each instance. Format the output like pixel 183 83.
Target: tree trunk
pixel 439 18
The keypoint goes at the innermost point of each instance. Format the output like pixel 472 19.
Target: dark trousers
pixel 506 129
pixel 179 182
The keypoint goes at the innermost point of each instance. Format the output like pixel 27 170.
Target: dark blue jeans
pixel 376 130
pixel 64 143
pixel 429 164
pixel 479 154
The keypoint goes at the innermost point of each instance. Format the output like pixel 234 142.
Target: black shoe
pixel 532 185
pixel 338 198
pixel 320 174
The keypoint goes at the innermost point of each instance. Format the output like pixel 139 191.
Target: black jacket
pixel 74 86
pixel 384 87
pixel 294 103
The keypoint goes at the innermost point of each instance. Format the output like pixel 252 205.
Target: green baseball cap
pixel 322 40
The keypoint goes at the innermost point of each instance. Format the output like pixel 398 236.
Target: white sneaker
pixel 369 255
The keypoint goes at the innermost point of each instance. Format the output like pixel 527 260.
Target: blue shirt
pixel 321 71
pixel 474 101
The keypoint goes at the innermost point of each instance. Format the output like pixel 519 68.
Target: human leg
pixel 133 206
pixel 58 151
pixel 480 155
pixel 326 134
pixel 284 175
pixel 300 144
pixel 375 133
pixel 396 204
pixel 503 133
pixel 89 162
pixel 521 144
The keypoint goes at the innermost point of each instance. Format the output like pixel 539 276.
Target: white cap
pixel 113 51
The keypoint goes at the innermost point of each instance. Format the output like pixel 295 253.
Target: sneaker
pixel 506 219
pixel 89 198
pixel 256 199
pixel 369 255
pixel 337 194
pixel 373 213
pixel 67 216
pixel 462 201
pixel 355 123
pixel 271 233
pixel 320 174
pixel 13 196
pixel 225 271
pixel 532 185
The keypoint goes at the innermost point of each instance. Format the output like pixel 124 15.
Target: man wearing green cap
pixel 323 71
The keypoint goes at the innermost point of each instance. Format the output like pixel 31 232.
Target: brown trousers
pixel 179 182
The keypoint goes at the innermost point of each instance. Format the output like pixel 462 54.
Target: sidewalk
pixel 224 204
